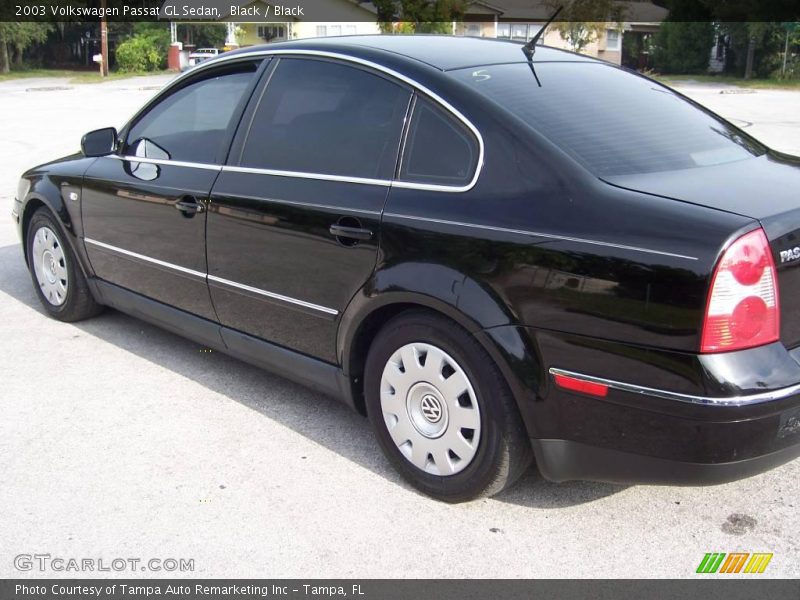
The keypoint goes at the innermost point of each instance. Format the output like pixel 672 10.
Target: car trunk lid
pixel 767 189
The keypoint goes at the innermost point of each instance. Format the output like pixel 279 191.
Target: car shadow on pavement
pixel 315 416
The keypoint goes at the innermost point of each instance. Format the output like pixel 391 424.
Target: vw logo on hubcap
pixel 431 408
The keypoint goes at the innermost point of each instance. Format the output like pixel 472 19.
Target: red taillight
pixel 581 385
pixel 742 309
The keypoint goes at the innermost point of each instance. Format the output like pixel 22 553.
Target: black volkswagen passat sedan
pixel 495 256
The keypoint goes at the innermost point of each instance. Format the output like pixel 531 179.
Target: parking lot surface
pixel 118 439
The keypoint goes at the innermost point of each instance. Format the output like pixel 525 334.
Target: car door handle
pixel 190 205
pixel 353 233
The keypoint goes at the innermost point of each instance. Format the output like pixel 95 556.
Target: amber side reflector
pixel 579 385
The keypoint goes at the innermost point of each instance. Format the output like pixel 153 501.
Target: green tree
pixel 581 22
pixel 683 47
pixel 418 16
pixel 754 48
pixel 205 35
pixel 16 38
pixel 138 53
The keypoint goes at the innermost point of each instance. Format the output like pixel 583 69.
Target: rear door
pixel 144 209
pixel 295 214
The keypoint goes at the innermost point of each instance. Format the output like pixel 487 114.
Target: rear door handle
pixel 353 233
pixel 189 205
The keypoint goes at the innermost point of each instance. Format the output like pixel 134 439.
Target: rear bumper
pixel 667 417
pixel 637 434
pixel 564 460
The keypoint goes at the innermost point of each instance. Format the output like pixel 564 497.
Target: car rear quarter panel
pixel 546 264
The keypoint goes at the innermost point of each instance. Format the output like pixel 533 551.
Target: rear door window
pixel 322 117
pixel 439 149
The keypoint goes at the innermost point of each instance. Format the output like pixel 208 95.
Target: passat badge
pixel 790 255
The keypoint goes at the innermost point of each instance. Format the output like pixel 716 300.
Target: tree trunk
pixel 751 51
pixel 5 67
pixel 18 57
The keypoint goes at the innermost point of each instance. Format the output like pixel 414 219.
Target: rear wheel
pixel 441 410
pixel 57 278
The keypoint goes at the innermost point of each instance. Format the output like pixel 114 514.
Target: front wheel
pixel 57 277
pixel 441 410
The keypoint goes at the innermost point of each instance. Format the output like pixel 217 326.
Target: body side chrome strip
pixel 220 280
pixel 688 398
pixel 539 234
pixel 144 258
pixel 241 286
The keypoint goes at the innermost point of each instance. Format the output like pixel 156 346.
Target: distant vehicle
pixel 491 254
pixel 201 55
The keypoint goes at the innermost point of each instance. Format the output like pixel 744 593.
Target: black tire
pixel 77 303
pixel 503 449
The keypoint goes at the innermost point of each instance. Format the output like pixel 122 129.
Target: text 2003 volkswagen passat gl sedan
pixel 494 254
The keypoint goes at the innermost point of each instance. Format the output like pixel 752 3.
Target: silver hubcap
pixel 430 409
pixel 50 266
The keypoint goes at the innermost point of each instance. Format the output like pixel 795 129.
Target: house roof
pixel 538 10
pixel 644 12
pixel 316 10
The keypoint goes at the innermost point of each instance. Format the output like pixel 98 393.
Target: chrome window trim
pixel 687 398
pixel 208 277
pixel 303 175
pixel 359 61
pixel 539 234
pixel 273 295
pixel 166 161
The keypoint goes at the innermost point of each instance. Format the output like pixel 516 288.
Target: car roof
pixel 443 52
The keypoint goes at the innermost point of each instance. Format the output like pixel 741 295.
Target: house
pixel 342 17
pixel 520 20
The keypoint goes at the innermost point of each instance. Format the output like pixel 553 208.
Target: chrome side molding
pixel 213 278
pixel 678 397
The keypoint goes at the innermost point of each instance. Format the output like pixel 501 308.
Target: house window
pixel 322 30
pixel 613 40
pixel 519 31
pixel 349 29
pixel 334 30
pixel 271 32
pixel 474 30
pixel 504 30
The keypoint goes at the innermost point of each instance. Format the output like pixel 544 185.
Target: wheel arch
pixel 464 303
pixel 44 194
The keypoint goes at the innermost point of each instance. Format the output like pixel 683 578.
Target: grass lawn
pixel 774 84
pixel 74 76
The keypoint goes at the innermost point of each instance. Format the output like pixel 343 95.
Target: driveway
pixel 118 439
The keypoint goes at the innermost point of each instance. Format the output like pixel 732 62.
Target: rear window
pixel 613 122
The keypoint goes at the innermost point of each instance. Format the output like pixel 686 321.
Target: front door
pixel 144 209
pixel 294 217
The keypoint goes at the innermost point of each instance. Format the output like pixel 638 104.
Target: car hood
pixel 758 187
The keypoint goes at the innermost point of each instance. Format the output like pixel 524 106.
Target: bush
pixel 683 47
pixel 139 53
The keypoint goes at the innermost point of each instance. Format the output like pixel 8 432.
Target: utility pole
pixel 104 40
pixel 790 28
